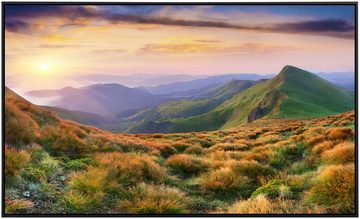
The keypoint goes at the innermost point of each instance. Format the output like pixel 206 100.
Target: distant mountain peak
pixel 290 70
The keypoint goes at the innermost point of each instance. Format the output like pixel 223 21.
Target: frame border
pixel 4 3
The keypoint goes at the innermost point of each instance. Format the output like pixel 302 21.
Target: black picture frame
pixel 3 43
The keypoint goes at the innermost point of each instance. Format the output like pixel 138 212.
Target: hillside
pixel 193 87
pixel 199 104
pixel 293 93
pixel 270 166
pixel 79 116
pixel 102 99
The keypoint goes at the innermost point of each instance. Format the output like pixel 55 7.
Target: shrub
pixel 87 190
pixel 299 183
pixel 16 205
pixel 186 164
pixel 201 205
pixel 326 145
pixel 19 128
pixel 166 150
pixel 269 138
pixel 342 153
pixel 181 146
pixel 226 180
pixel 203 142
pixel 78 164
pixel 150 199
pixel 270 189
pixel 252 169
pixel 47 169
pixel 316 139
pixel 334 188
pixel 229 147
pixel 341 133
pixel 262 205
pixel 196 149
pixel 285 155
pixel 59 142
pixel 225 155
pixel 76 202
pixel 129 169
pixel 309 163
pixel 261 156
pixel 91 181
pixel 15 160
pixel 258 205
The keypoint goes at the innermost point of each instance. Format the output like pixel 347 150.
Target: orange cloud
pixel 210 48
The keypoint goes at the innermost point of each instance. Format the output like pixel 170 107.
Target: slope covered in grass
pixel 307 95
pixel 293 93
pixel 278 166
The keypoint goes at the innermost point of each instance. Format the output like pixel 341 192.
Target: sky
pixel 53 46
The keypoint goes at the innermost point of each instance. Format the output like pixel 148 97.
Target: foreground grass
pixel 269 166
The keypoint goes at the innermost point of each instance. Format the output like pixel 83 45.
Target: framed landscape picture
pixel 179 109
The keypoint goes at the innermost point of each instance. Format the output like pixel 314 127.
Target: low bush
pixel 181 146
pixel 201 205
pixel 340 154
pixel 166 150
pixel 341 133
pixel 186 164
pixel 129 169
pixel 334 188
pixel 225 155
pixel 78 164
pixel 47 169
pixel 196 149
pixel 91 181
pixel 287 154
pixel 226 180
pixel 20 128
pixel 150 199
pixel 272 189
pixel 59 142
pixel 252 169
pixel 15 160
pixel 17 205
pixel 258 205
pixel 316 139
pixel 323 146
pixel 262 205
pixel 229 147
pixel 75 202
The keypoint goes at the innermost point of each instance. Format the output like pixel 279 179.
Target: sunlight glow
pixel 44 67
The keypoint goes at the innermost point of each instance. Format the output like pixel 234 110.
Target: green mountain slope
pixel 190 107
pixel 293 93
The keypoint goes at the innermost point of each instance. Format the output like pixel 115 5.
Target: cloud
pixel 57 46
pixel 15 16
pixel 208 41
pixel 343 28
pixel 17 26
pixel 109 51
pixel 209 48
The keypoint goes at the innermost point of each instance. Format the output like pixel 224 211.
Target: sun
pixel 44 67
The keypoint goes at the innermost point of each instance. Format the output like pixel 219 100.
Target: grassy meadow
pixel 270 166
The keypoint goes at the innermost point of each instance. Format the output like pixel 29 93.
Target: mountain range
pixel 102 99
pixel 293 93
pixel 203 104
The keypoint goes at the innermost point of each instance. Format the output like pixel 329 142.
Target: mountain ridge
pixel 279 97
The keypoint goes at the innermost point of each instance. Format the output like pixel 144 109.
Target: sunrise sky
pixel 56 46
